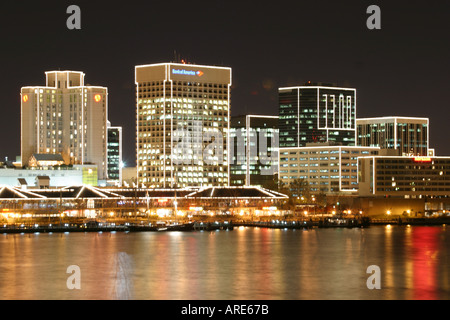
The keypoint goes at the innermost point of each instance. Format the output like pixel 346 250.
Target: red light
pixel 97 98
pixel 422 159
pixel 25 98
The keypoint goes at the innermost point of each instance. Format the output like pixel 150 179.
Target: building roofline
pixel 315 87
pixel 181 64
pixel 327 147
pixel 391 117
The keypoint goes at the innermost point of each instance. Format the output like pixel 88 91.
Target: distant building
pixel 129 177
pixel 250 164
pixel 408 177
pixel 114 147
pixel 316 113
pixel 58 176
pixel 65 117
pixel 45 160
pixel 180 109
pixel 326 168
pixel 407 135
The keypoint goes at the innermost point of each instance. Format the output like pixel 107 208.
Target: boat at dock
pixel 212 226
pixel 343 222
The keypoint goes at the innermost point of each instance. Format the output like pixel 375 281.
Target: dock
pixel 228 224
pixel 277 224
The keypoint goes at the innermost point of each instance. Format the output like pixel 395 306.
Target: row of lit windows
pixel 328 152
pixel 183 83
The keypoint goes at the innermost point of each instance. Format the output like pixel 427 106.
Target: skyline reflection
pixel 246 263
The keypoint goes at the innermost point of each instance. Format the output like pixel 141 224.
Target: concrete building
pixel 65 117
pixel 406 177
pixel 253 149
pixel 327 168
pixel 183 123
pixel 59 176
pixel 317 113
pixel 407 135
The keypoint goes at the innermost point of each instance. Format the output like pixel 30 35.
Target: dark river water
pixel 246 263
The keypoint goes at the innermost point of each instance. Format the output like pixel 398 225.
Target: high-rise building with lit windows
pixel 254 153
pixel 326 168
pixel 183 123
pixel 65 117
pixel 114 154
pixel 317 113
pixel 407 135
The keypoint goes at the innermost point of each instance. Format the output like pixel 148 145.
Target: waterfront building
pixel 317 113
pixel 407 135
pixel 114 147
pixel 82 201
pixel 325 168
pixel 65 117
pixel 183 125
pixel 408 177
pixel 253 150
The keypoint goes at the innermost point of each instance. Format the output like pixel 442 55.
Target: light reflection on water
pixel 246 263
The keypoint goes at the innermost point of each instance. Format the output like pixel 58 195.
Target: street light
pixel 314 200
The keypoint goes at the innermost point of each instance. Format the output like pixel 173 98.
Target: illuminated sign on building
pixel 97 98
pixel 25 98
pixel 187 72
pixel 422 159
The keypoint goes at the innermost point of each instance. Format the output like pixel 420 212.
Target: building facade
pixel 317 113
pixel 327 168
pixel 58 176
pixel 409 177
pixel 65 117
pixel 407 135
pixel 253 150
pixel 114 147
pixel 183 125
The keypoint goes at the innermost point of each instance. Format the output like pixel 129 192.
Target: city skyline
pixel 393 69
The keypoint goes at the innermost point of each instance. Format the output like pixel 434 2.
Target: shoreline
pixel 229 224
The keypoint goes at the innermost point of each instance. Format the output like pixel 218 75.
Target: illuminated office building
pixel 317 113
pixel 183 123
pixel 65 117
pixel 407 135
pixel 407 177
pixel 254 157
pixel 114 154
pixel 326 168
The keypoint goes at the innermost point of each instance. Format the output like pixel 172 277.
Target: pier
pixel 207 223
pixel 277 224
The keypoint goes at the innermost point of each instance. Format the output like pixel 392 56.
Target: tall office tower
pixel 114 148
pixel 317 113
pixel 65 117
pixel 253 150
pixel 407 135
pixel 183 123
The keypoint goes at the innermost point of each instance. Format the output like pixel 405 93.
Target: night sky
pixel 401 70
